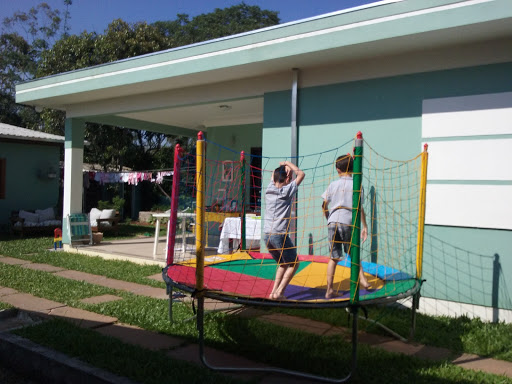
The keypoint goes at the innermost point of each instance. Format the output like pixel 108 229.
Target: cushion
pixel 29 217
pixel 50 223
pixel 108 214
pixel 46 214
pixel 94 215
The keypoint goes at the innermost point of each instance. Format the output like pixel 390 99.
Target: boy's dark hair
pixel 344 163
pixel 280 174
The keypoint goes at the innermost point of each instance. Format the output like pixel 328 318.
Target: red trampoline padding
pixel 221 280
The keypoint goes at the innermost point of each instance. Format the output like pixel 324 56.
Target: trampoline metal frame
pixel 353 304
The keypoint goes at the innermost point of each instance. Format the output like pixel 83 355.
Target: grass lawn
pixel 271 344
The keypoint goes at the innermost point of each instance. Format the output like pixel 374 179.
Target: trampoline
pixel 247 278
pixel 390 192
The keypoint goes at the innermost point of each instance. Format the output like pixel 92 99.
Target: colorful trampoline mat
pixel 252 275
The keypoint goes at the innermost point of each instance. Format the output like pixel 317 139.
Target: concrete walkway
pixel 179 349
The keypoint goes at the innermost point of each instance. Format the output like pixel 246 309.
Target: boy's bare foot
pixel 331 294
pixel 279 297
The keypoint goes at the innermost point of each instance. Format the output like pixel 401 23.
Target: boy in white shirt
pixel 339 221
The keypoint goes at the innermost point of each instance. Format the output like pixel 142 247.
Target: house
pixel 29 171
pixel 402 72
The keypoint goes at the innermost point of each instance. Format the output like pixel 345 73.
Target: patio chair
pixel 79 229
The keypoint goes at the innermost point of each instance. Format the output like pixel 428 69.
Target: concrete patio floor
pixel 138 250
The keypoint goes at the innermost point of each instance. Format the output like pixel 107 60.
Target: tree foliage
pixel 219 23
pixel 24 37
pixel 38 54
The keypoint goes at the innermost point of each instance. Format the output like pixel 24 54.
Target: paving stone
pixel 80 276
pixel 215 305
pixel 113 283
pixel 478 363
pixel 156 293
pixel 190 352
pixel 7 291
pixel 138 336
pixel 13 261
pixel 100 299
pixel 84 319
pixel 28 302
pixel 157 277
pixel 250 312
pixel 216 358
pixel 311 326
pixel 42 267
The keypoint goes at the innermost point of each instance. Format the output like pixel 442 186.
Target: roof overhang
pixel 189 84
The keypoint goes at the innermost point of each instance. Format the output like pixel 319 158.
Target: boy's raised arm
pixel 300 174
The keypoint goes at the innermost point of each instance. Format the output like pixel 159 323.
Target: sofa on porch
pixel 104 220
pixel 34 222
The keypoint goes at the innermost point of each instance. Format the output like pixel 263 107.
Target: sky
pixel 95 15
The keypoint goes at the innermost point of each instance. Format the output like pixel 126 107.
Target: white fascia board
pixel 179 63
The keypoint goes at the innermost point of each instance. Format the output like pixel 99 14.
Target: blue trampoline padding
pixel 381 271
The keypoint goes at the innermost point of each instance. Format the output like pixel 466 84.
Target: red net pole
pixel 242 198
pixel 173 217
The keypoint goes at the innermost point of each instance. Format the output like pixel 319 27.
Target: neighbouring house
pixel 402 72
pixel 29 172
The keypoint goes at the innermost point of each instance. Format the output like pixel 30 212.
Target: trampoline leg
pixel 200 328
pixel 415 306
pixel 354 339
pixel 169 292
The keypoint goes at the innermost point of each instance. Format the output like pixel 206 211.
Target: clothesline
pixel 132 178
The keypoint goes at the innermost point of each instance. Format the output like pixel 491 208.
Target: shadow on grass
pixel 330 356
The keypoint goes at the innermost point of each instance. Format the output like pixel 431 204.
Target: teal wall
pixel 459 262
pixel 229 142
pixel 468 265
pixel 24 189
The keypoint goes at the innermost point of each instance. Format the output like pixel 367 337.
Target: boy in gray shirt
pixel 339 220
pixel 278 202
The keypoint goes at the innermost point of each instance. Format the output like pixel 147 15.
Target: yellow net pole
pixel 200 209
pixel 421 215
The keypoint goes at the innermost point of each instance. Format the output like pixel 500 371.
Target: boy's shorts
pixel 281 248
pixel 339 239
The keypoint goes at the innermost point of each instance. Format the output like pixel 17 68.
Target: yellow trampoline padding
pixel 315 276
pixel 215 259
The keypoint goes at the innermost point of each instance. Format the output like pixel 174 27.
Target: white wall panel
pixel 470 160
pixel 477 115
pixel 479 206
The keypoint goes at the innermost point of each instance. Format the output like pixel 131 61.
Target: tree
pixel 24 36
pixel 16 63
pixel 229 21
pixel 219 23
pixel 138 150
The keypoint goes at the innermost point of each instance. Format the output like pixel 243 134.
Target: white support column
pixel 73 171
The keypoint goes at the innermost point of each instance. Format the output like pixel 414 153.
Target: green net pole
pixel 243 245
pixel 355 242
